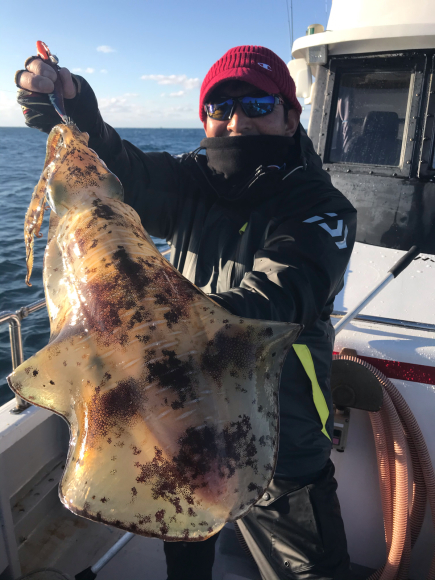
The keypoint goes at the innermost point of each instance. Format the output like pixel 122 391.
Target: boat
pixel 369 79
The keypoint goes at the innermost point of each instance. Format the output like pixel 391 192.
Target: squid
pixel 171 401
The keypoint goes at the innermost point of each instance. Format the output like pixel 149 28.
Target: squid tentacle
pixel 35 213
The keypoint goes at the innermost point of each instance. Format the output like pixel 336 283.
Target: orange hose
pixel 400 498
pixel 391 466
pixel 414 430
pixel 394 426
pixel 380 436
pixel 384 475
pixel 406 557
pixel 419 495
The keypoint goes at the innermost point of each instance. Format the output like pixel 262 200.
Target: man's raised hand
pixel 39 77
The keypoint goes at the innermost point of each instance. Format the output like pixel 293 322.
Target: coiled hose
pixel 396 431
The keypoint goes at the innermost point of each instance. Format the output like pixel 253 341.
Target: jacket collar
pixel 256 183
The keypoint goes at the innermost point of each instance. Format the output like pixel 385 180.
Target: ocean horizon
pixel 22 154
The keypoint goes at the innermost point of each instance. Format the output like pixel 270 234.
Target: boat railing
pixel 14 319
pixel 16 340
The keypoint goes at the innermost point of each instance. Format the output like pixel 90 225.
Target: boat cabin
pixel 369 80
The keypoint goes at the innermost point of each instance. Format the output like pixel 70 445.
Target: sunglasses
pixel 251 106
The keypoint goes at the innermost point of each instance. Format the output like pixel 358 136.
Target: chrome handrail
pixel 16 341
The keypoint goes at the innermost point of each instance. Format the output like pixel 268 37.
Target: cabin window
pixel 370 117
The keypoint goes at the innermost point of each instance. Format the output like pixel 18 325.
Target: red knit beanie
pixel 256 65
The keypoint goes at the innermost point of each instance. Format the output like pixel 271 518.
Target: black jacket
pixel 287 265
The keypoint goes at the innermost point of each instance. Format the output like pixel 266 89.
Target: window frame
pixel 416 64
pixel 427 149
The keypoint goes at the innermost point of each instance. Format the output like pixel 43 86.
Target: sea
pixel 22 154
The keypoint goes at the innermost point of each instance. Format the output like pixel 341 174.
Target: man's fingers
pixel 36 83
pixel 40 78
pixel 69 88
pixel 39 68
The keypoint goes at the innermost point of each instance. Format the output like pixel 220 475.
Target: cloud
pixel 183 80
pixel 88 70
pixel 10 112
pixel 176 94
pixel 105 48
pixel 103 70
pixel 128 111
pixel 184 109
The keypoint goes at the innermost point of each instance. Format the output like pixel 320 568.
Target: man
pixel 257 224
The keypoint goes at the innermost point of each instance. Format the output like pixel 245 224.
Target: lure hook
pixel 56 97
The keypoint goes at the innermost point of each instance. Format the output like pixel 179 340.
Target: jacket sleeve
pixel 151 181
pixel 298 271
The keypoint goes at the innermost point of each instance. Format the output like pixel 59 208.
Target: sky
pixel 145 59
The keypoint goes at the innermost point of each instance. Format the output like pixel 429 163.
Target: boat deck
pixel 70 544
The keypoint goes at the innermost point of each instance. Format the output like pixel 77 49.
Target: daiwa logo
pixel 264 65
pixel 333 232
